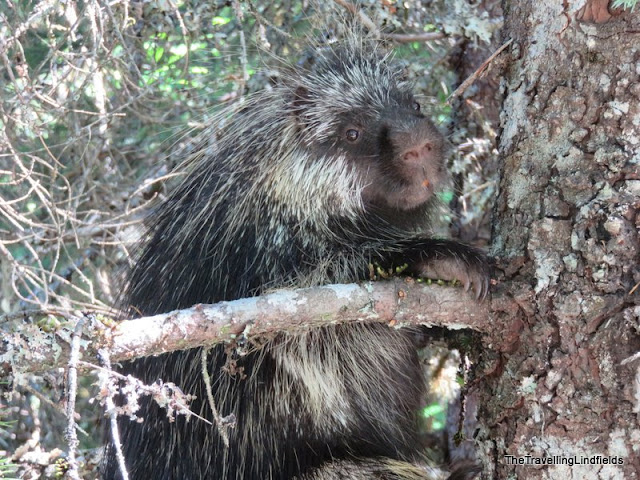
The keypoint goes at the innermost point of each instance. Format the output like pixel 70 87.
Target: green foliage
pixel 625 4
pixel 7 469
pixel 436 413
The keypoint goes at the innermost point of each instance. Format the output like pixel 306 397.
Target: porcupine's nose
pixel 420 155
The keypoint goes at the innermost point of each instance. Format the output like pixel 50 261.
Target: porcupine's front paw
pixel 468 266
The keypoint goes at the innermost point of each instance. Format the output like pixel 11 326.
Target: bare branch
pixel 105 377
pixel 399 302
pixel 415 37
pixel 72 390
pixel 481 69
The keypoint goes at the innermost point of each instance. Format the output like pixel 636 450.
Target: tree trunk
pixel 555 385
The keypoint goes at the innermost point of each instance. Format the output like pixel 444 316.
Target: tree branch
pixel 398 302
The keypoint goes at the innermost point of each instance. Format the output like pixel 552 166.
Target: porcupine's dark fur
pixel 333 168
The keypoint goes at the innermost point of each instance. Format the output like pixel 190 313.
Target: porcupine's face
pixel 359 105
pixel 398 153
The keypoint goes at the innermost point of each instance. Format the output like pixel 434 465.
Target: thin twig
pixel 222 427
pixel 474 76
pixel 364 19
pixel 110 408
pixel 72 389
pixel 414 37
pixel 237 8
pixel 185 37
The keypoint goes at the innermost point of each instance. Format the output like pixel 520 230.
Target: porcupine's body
pixel 332 169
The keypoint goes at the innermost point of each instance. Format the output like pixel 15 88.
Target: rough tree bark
pixel 566 238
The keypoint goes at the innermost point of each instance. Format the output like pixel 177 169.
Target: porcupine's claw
pixel 471 270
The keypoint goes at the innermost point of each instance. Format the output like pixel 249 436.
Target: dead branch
pixel 481 69
pixel 72 388
pixel 398 302
pixel 415 37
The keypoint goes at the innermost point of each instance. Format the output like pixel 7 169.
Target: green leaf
pixel 158 53
pixel 220 21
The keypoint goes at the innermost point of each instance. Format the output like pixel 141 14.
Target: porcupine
pixel 332 170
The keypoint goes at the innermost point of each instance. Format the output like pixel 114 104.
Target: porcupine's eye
pixel 416 106
pixel 352 135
